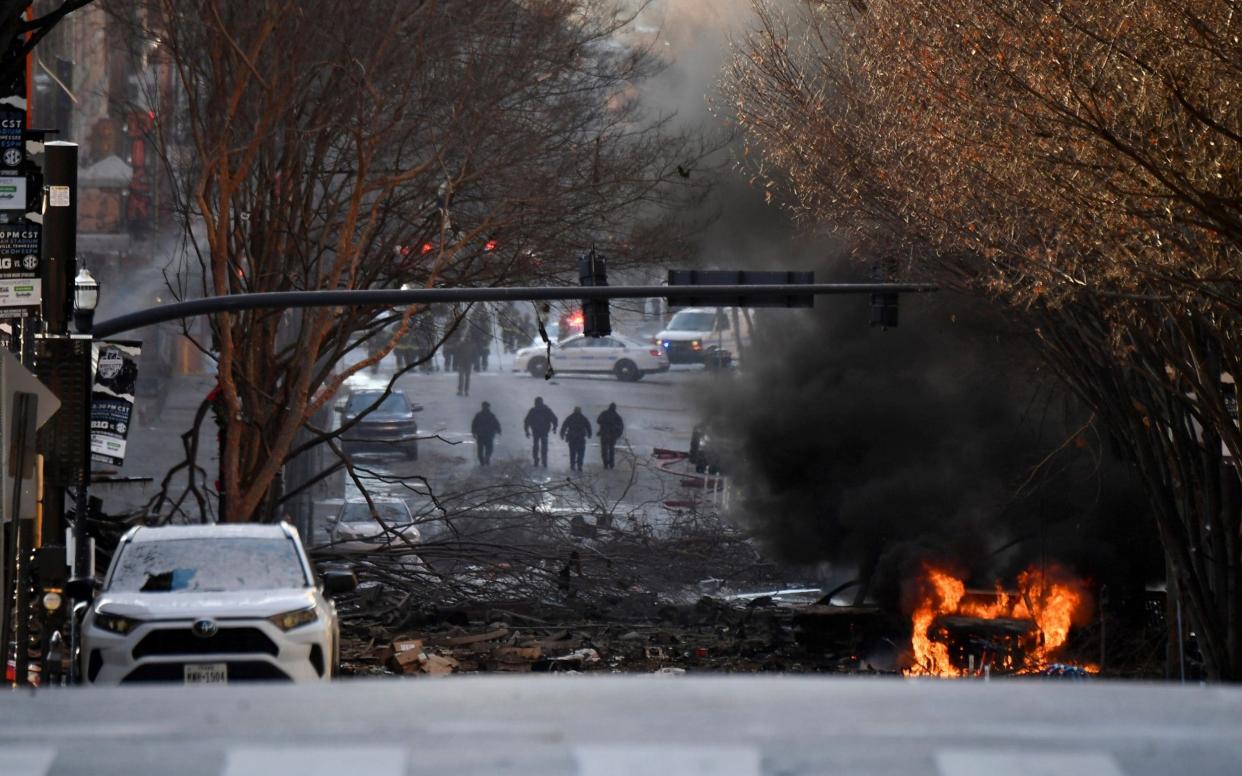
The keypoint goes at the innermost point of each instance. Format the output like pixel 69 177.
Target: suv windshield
pixel 207 565
pixel 394 402
pixel 688 321
pixel 359 512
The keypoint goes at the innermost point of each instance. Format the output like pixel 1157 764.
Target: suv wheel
pixel 538 366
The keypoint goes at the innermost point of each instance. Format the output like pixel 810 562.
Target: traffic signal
pixel 719 277
pixel 593 271
pixel 884 310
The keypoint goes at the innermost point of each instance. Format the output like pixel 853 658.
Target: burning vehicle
pixel 958 632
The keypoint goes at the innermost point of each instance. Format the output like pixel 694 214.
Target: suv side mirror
pixel 339 581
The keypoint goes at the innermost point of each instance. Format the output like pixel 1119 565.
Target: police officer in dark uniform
pixel 611 427
pixel 576 430
pixel 539 421
pixel 485 428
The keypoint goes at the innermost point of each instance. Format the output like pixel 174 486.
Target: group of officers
pixel 541 421
pixel 465 342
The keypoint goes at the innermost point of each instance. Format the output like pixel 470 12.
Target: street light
pixel 85 300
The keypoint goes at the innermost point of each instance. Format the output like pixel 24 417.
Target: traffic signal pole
pixel 399 297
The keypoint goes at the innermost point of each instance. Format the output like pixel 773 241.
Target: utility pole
pixel 62 362
pixel 58 264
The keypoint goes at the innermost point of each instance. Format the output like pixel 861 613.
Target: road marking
pixel 315 761
pixel 983 762
pixel 642 760
pixel 26 761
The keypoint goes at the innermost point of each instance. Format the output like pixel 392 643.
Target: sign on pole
pixel 14 379
pixel 21 291
pixel 112 399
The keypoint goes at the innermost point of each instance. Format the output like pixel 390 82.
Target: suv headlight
pixel 287 621
pixel 115 623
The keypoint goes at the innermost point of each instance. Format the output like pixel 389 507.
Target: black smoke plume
pixel 944 439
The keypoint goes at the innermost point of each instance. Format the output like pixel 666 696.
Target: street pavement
pixel 659 411
pixel 628 726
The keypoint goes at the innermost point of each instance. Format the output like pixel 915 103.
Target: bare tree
pixel 23 25
pixel 344 144
pixel 1077 160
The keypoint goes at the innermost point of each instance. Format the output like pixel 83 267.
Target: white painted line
pixel 314 761
pixel 645 760
pixel 26 761
pixel 985 762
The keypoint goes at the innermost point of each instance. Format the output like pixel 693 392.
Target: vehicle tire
pixel 411 452
pixel 627 371
pixel 538 366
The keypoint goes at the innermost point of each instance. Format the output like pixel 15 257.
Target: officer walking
pixel 611 427
pixel 485 428
pixel 480 338
pixel 539 421
pixel 463 362
pixel 576 430
pixel 407 349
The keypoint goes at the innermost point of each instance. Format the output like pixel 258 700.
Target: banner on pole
pixel 112 399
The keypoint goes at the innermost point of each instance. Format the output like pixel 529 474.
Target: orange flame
pixel 1050 599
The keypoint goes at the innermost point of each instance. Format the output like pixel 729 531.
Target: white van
pixel 694 332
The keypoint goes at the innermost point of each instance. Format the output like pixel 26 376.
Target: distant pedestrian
pixel 425 340
pixel 407 350
pixel 375 349
pixel 525 331
pixel 449 349
pixel 453 338
pixel 463 362
pixel 611 427
pixel 480 337
pixel 485 428
pixel 539 421
pixel 576 430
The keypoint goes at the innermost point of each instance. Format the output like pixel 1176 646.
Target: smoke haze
pixel 942 439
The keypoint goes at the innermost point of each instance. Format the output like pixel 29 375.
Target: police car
pixel 626 359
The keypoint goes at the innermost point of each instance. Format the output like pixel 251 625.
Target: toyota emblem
pixel 204 629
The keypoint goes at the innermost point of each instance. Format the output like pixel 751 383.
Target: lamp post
pixel 81 583
pixel 85 300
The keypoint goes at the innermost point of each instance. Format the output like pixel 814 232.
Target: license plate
pixel 206 673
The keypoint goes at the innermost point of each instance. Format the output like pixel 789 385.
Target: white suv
pixel 212 604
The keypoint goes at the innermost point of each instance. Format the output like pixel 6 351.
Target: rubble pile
pixel 712 634
pixel 525 591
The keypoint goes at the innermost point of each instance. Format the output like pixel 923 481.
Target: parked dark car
pixel 380 423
